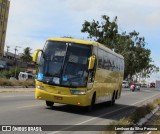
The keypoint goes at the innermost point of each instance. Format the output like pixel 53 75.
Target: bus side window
pixel 100 58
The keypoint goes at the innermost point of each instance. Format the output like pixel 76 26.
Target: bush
pixel 4 74
pixel 6 82
pixel 137 115
pixel 13 72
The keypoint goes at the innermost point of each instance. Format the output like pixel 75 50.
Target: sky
pixel 30 23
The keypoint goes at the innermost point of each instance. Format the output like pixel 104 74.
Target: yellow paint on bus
pixel 104 77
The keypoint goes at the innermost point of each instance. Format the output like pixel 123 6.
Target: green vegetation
pixel 136 115
pixel 131 46
pixel 156 120
pixel 13 72
pixel 26 56
pixel 7 82
pixel 141 112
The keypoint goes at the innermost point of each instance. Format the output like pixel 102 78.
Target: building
pixel 13 59
pixel 12 56
pixel 157 83
pixel 4 11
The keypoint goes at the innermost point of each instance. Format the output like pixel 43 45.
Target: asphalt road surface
pixel 20 108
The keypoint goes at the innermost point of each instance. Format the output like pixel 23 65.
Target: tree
pixel 12 72
pixel 131 46
pixel 104 32
pixel 137 57
pixel 26 55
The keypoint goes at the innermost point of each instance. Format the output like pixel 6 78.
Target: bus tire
pixel 112 101
pixel 116 96
pixel 49 103
pixel 90 107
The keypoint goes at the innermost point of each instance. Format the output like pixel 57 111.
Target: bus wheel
pixel 49 103
pixel 112 101
pixel 90 107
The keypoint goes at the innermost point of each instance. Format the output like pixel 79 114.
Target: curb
pixel 148 116
pixel 8 89
pixel 2 87
pixel 11 91
pixel 143 120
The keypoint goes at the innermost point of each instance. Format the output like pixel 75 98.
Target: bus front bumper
pixel 78 100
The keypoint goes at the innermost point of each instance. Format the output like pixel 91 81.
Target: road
pixel 20 108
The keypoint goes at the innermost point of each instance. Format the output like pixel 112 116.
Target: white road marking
pixel 105 114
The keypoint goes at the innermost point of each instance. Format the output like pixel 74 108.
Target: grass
pixel 139 113
pixel 155 121
pixel 7 82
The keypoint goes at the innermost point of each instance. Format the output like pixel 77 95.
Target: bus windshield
pixel 64 64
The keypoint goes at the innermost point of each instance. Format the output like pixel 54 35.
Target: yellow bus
pixel 78 72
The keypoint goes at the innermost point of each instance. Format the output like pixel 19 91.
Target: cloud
pixel 32 22
pixel 153 19
pixel 128 12
pixel 35 16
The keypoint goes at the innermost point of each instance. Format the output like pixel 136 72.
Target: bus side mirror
pixel 91 62
pixel 35 55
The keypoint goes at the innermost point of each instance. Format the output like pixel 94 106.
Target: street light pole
pixel 16 50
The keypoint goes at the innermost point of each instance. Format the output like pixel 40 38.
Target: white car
pixel 25 76
pixel 125 84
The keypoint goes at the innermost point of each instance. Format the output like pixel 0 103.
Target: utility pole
pixel 7 51
pixel 16 50
pixel 8 48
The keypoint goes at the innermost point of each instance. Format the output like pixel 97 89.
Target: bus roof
pixel 86 43
pixel 109 50
pixel 72 40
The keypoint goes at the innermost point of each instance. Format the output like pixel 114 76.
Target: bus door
pixel 92 84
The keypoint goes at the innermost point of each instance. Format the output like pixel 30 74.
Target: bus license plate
pixel 58 98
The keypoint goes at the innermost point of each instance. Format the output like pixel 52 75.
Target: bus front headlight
pixel 78 92
pixel 40 87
